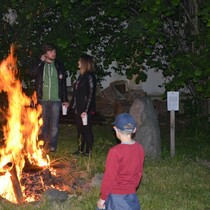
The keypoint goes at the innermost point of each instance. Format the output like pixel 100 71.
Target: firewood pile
pixel 116 98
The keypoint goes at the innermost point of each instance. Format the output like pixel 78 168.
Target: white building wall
pixel 151 86
pixel 154 80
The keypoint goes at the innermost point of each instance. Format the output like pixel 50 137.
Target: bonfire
pixel 20 144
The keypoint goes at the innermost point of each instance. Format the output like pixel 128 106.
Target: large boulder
pixel 148 130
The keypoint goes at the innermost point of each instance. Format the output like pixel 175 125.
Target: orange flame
pixel 21 129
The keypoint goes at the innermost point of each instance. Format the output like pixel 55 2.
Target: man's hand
pixel 43 57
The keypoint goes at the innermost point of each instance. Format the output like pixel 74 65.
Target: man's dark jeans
pixel 50 116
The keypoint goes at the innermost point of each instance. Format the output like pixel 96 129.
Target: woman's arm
pixel 91 91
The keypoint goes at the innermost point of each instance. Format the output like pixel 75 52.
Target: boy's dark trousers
pixel 122 202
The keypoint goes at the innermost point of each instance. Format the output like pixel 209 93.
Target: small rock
pixel 96 180
pixel 56 195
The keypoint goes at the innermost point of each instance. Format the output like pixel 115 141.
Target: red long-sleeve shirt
pixel 123 170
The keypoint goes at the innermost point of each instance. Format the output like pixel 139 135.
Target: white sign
pixel 173 101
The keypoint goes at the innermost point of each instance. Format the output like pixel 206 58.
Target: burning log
pixel 16 185
pixel 29 167
pixel 11 168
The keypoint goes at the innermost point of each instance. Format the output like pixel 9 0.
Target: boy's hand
pixel 101 204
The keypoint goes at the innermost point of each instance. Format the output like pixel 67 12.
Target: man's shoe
pixel 86 154
pixel 52 149
pixel 77 153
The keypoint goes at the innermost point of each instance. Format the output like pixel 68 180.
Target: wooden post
pixel 172 132
pixel 172 105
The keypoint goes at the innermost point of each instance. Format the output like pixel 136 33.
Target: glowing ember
pixel 20 132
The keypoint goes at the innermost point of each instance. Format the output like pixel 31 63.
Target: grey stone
pixel 96 180
pixel 55 195
pixel 148 130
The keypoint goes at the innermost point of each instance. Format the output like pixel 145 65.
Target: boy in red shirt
pixel 123 170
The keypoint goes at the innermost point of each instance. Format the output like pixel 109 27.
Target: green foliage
pixel 172 36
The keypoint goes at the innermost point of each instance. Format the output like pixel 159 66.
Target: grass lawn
pixel 181 183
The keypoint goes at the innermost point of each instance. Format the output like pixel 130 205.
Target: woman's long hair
pixel 87 63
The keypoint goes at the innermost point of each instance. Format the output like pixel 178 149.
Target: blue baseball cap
pixel 125 122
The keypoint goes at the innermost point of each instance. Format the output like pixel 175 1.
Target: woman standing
pixel 83 103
